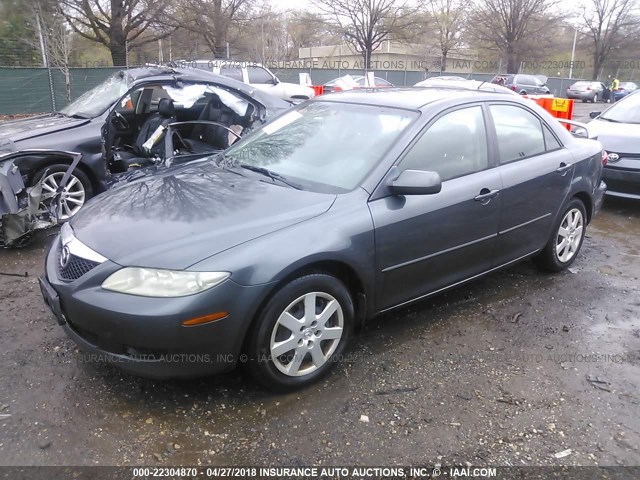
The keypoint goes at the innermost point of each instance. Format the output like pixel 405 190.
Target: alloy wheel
pixel 73 196
pixel 569 235
pixel 306 334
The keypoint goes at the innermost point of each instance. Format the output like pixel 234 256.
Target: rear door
pixel 536 172
pixel 427 242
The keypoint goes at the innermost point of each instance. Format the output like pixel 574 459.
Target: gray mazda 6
pixel 349 205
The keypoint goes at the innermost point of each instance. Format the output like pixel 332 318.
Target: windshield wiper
pixel 609 119
pixel 272 175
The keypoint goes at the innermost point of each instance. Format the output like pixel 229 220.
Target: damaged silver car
pixel 24 209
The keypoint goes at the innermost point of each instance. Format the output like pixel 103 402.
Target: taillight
pixel 514 87
pixel 605 158
pixel 588 89
pixel 337 89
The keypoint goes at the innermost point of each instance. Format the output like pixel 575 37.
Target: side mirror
pixel 594 114
pixel 275 80
pixel 416 182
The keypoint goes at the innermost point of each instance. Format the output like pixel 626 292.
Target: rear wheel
pixel 76 192
pixel 301 332
pixel 565 242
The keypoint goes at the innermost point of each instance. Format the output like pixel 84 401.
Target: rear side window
pixel 550 140
pixel 231 72
pixel 455 145
pixel 259 75
pixel 519 133
pixel 525 80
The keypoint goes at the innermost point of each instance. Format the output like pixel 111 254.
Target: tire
pixel 77 192
pixel 595 99
pixel 584 100
pixel 270 360
pixel 555 258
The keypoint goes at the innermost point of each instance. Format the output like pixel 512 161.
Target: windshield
pixel 98 99
pixel 323 146
pixel 626 110
pixel 628 85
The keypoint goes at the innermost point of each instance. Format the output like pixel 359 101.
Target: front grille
pixel 75 268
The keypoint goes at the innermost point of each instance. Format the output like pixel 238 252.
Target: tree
pixel 119 24
pixel 608 24
pixel 365 24
pixel 55 35
pixel 448 18
pixel 513 27
pixel 17 32
pixel 213 19
pixel 305 29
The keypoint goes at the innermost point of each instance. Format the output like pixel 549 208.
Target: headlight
pixel 149 282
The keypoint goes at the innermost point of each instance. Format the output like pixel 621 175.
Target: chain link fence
pixel 41 90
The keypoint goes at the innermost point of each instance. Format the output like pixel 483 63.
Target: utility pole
pixel 573 51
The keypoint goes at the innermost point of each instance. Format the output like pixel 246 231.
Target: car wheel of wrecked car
pixel 566 239
pixel 302 331
pixel 77 191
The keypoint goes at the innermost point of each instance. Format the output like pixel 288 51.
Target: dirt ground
pixel 509 370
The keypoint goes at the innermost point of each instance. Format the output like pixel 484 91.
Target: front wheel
pixel 76 192
pixel 301 332
pixel 566 239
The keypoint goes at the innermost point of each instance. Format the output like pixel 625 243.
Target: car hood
pixel 617 137
pixel 184 215
pixel 25 128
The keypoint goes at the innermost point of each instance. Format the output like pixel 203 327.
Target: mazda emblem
pixel 65 256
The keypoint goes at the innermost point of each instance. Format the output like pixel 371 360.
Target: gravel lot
pixel 509 370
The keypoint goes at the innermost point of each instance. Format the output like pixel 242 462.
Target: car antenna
pixel 481 83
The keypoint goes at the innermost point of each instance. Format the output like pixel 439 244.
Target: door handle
pixel 486 195
pixel 564 168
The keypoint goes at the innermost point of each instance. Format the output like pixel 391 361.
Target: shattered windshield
pixel 98 99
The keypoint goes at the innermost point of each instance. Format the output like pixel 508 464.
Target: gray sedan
pixel 347 206
pixel 588 91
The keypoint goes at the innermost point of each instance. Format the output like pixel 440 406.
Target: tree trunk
pixel 513 65
pixel 597 63
pixel 118 54
pixel 443 62
pixel 117 35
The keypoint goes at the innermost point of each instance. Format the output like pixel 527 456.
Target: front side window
pixel 519 133
pixel 323 146
pixel 454 145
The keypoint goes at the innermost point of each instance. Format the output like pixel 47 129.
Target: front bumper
pixel 622 183
pixel 144 336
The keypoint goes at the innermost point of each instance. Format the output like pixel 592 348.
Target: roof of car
pixel 409 97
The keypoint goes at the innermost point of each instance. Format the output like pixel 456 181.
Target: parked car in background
pixel 332 86
pixel 127 106
pixel 588 91
pixel 523 84
pixel 624 89
pixel 346 206
pixel 618 129
pixel 262 78
pixel 459 82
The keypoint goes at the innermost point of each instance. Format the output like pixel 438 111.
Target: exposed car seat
pixel 204 138
pixel 165 115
